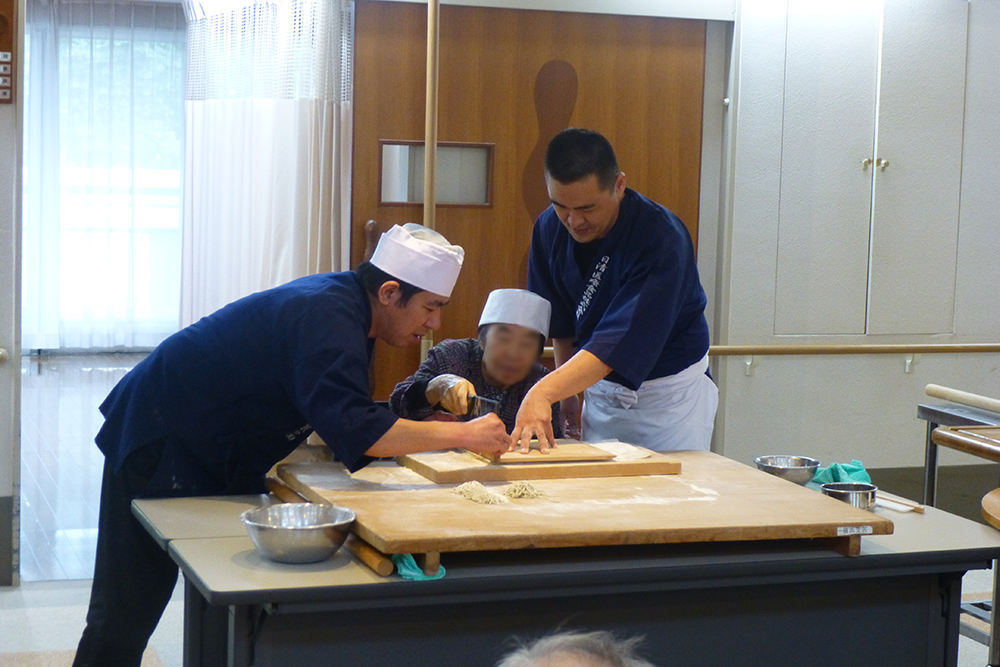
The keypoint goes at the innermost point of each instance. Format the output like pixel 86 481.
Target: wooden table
pixel 697 604
pixel 714 499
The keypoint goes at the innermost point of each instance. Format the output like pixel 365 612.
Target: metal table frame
pixel 697 604
pixel 946 414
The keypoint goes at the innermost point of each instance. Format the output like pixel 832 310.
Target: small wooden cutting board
pixel 564 452
pixel 616 460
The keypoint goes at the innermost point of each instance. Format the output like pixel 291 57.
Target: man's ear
pixel 389 292
pixel 620 184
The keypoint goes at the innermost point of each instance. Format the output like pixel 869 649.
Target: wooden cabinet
pixel 870 167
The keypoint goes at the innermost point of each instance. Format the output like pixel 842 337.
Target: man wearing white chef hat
pixel 500 365
pixel 211 409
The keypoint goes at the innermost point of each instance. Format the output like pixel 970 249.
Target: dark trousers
pixel 133 577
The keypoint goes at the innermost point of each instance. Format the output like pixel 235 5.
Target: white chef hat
pixel 517 306
pixel 420 256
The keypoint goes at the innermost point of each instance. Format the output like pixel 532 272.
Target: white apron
pixel 665 414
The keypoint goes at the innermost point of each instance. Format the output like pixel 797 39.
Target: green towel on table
pixel 842 472
pixel 407 568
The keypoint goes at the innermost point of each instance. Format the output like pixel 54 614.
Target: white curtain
pixel 267 160
pixel 103 142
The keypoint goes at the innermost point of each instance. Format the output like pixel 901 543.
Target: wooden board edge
pixel 527 471
pixel 421 468
pixel 849 546
pixel 309 493
pixel 828 534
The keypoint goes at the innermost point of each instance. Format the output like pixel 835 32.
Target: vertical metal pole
pixel 431 113
pixel 993 659
pixel 930 466
pixel 430 135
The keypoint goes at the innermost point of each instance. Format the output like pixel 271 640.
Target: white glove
pixel 452 392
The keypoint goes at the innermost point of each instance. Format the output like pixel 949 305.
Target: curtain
pixel 103 143
pixel 267 159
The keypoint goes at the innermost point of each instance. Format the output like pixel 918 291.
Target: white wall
pixel 837 408
pixel 9 370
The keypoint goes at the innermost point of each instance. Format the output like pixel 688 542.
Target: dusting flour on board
pixel 521 489
pixel 477 493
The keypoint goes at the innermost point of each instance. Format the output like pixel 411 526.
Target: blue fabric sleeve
pixel 331 385
pixel 542 282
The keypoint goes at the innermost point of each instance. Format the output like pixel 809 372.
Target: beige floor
pixel 40 618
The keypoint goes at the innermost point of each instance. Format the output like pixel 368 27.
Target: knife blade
pixel 479 406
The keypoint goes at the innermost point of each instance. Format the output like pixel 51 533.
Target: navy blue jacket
pixel 238 390
pixel 640 306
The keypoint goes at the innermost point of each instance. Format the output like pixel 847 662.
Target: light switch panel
pixel 8 49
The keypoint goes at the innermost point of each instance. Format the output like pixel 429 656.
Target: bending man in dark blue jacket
pixel 218 403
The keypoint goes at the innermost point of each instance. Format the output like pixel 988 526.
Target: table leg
pixel 205 630
pixel 240 636
pixel 930 466
pixel 994 655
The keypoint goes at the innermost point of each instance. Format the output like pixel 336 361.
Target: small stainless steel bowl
pixel 798 469
pixel 298 532
pixel 859 494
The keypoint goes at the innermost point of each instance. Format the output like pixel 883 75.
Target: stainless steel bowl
pixel 859 494
pixel 798 469
pixel 298 532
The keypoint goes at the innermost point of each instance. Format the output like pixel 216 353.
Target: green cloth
pixel 407 568
pixel 842 472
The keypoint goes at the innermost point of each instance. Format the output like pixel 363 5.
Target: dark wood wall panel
pixel 514 78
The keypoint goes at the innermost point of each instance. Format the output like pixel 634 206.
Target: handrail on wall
pixel 764 350
pixel 934 348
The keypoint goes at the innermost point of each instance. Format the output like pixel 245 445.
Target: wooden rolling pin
pixel 963 397
pixel 379 563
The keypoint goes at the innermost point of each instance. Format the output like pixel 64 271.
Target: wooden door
pixel 514 78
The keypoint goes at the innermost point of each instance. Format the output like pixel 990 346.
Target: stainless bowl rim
pixel 349 518
pixel 766 460
pixel 849 487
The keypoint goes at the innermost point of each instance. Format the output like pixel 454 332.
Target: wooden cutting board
pixel 714 499
pixel 623 460
pixel 565 451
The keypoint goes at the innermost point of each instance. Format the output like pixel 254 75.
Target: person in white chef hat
pixel 214 406
pixel 501 364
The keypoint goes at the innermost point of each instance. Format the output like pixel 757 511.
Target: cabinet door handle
pixel 867 162
pixel 881 164
pixel 3 354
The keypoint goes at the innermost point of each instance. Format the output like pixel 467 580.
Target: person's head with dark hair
pixel 584 182
pixel 372 278
pixel 575 153
pixel 409 280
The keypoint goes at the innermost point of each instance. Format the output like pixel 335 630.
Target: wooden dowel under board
pixel 282 491
pixel 429 562
pixel 379 563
